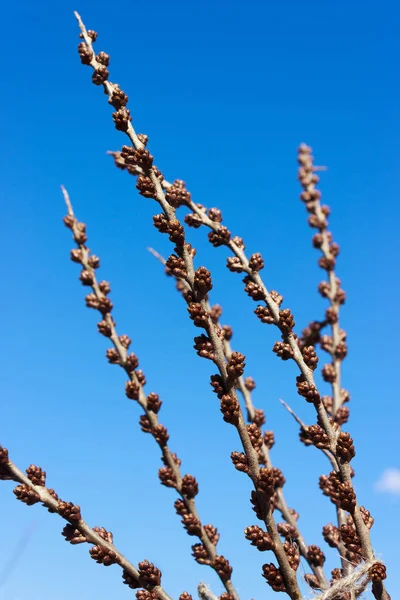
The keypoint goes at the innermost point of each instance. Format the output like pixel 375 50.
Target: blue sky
pixel 226 91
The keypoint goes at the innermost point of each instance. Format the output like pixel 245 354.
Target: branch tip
pixel 67 200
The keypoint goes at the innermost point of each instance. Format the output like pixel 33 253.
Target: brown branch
pixel 283 320
pixel 150 186
pixel 171 475
pixel 253 416
pixel 78 531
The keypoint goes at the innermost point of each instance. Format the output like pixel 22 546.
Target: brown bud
pixel 276 297
pixel 160 434
pixel 315 556
pixel 177 194
pixel 329 373
pixel 327 263
pixel 103 555
pixel 259 538
pixel 132 390
pixel 132 362
pixel 292 554
pixel 274 577
pixel 146 595
pixel 125 341
pixel 347 497
pixel 331 535
pixel 367 518
pixel 191 524
pixel 250 384
pixel 146 188
pixel 307 390
pixel 230 409
pixel 266 481
pixel 145 424
pixel 218 385
pixel 336 574
pixel 76 255
pixel 269 439
pixel 253 290
pixel 130 581
pixel 310 357
pixel 167 477
pixel 240 461
pixel 200 554
pixel 104 328
pixel 118 98
pixel 73 535
pixel 228 332
pixel 256 262
pixel 122 118
pixel 26 495
pixel 198 314
pixel 331 315
pixel 286 320
pixel 222 567
pixel 318 437
pixel 202 281
pixel 234 264
pixel 264 314
pixel 36 475
pixel 219 237
pixel 283 350
pixel 377 572
pixel 259 417
pixel 153 403
pixel 342 415
pixel 149 573
pixel 235 365
pixel 69 511
pixel 255 436
pixel 212 533
pixel 190 487
pixel 345 447
pixel 85 53
pixel 4 460
pixel 104 287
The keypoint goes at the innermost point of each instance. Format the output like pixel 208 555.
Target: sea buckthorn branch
pixel 288 530
pixel 31 490
pixel 149 184
pixel 338 442
pixel 170 475
pixel 336 345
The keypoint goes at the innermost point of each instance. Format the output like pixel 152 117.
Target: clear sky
pixel 226 91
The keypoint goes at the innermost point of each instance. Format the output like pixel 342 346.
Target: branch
pixel 149 185
pixel 146 575
pixel 305 359
pixel 170 475
pixel 256 416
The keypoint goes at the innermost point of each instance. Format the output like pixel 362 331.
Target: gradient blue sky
pixel 226 91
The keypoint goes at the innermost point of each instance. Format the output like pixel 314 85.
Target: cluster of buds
pixel 341 493
pixel 274 577
pixel 314 435
pixel 177 194
pixel 4 472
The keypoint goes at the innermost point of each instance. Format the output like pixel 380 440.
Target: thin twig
pixel 50 501
pixel 151 423
pixel 281 505
pixel 168 223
